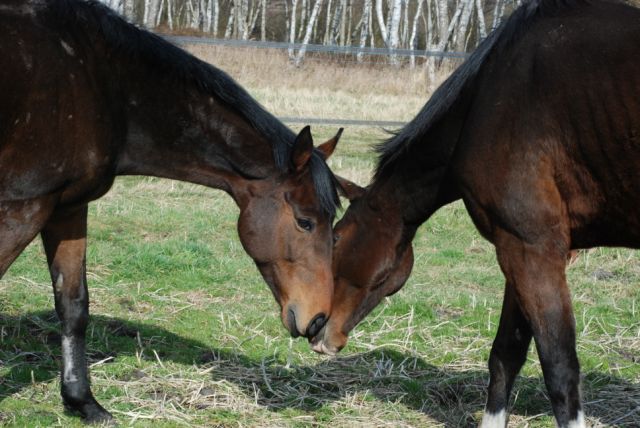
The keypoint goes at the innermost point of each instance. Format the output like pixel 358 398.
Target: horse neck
pixel 175 131
pixel 421 180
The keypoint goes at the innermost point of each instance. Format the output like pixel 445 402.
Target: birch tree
pixel 307 36
pixel 128 9
pixel 169 14
pixel 292 29
pixel 365 28
pixel 463 24
pixel 394 25
pixel 114 4
pixel 498 10
pixel 413 41
pixel 263 23
pixel 335 22
pixel 150 15
pixel 482 27
pixel 381 23
pixel 230 21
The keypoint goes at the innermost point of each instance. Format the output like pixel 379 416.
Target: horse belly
pixel 607 216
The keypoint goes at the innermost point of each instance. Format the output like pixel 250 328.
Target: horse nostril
pixel 291 320
pixel 316 325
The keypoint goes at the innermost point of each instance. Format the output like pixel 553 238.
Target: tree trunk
pixel 430 63
pixel 170 10
pixel 347 41
pixel 444 40
pixel 413 41
pixel 216 18
pixel 228 30
pixel 393 29
pixel 292 29
pixel 159 15
pixel 263 22
pixel 145 13
pixel 128 9
pixel 442 10
pixel 327 25
pixel 343 21
pixel 241 30
pixel 307 36
pixel 253 18
pixel 364 29
pixel 497 14
pixel 381 23
pixel 194 14
pixel 372 34
pixel 335 22
pixel 208 16
pixel 482 27
pixel 465 17
pixel 303 18
pixel 404 32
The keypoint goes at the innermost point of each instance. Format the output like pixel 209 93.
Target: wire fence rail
pixel 342 122
pixel 332 49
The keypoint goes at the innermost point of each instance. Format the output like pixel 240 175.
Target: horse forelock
pixel 325 184
pixel 161 55
pixel 445 96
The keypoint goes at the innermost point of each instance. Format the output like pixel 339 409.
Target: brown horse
pixel 84 97
pixel 539 134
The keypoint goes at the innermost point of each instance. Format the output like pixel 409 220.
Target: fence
pixel 342 122
pixel 337 50
pixel 328 49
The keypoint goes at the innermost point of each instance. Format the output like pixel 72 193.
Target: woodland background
pixel 431 25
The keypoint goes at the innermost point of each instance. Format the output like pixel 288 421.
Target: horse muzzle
pixel 292 321
pixel 322 344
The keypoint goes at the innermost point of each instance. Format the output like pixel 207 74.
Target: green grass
pixel 185 333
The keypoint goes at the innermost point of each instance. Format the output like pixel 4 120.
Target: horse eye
pixel 336 238
pixel 306 224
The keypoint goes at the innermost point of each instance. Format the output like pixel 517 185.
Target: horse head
pixel 372 259
pixel 285 228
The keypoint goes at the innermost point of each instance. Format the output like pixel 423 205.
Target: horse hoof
pixel 99 417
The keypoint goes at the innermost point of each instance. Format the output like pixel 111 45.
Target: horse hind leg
pixel 508 354
pixel 536 272
pixel 20 222
pixel 64 238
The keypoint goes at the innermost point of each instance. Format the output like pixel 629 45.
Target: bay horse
pixel 85 97
pixel 538 132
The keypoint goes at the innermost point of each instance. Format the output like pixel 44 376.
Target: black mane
pixel 162 55
pixel 449 92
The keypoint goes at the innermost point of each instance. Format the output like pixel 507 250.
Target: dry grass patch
pixel 323 87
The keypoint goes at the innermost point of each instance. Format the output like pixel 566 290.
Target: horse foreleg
pixel 537 273
pixel 65 239
pixel 508 354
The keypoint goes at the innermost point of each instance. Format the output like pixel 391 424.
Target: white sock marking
pixel 578 422
pixel 67 359
pixel 494 420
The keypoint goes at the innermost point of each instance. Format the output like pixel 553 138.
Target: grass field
pixel 185 333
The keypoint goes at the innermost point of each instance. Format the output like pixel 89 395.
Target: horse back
pixel 553 133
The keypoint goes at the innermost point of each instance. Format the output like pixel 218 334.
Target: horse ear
pixel 349 189
pixel 327 148
pixel 302 149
